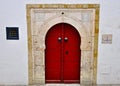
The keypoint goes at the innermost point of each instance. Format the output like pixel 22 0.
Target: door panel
pixel 71 55
pixel 53 55
pixel 53 73
pixel 62 54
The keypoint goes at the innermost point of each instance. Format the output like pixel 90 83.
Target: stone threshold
pixel 67 85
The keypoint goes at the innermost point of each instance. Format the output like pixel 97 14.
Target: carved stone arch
pixel 58 19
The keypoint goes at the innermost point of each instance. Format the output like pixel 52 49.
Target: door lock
pixel 66 52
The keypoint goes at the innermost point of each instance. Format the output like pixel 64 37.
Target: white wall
pixel 109 54
pixel 13 53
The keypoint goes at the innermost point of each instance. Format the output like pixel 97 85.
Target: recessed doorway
pixel 42 19
pixel 62 54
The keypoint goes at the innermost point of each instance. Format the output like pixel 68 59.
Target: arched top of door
pixel 64 24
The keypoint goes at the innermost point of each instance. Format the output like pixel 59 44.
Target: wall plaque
pixel 107 38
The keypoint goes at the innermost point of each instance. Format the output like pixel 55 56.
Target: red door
pixel 62 54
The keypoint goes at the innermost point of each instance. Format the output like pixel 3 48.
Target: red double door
pixel 62 54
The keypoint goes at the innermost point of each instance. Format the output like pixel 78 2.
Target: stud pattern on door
pixel 62 54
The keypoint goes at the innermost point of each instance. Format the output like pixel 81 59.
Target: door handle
pixel 66 39
pixel 59 39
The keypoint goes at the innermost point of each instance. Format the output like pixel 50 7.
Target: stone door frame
pixel 33 38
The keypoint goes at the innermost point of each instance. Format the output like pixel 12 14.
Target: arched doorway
pixel 62 54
